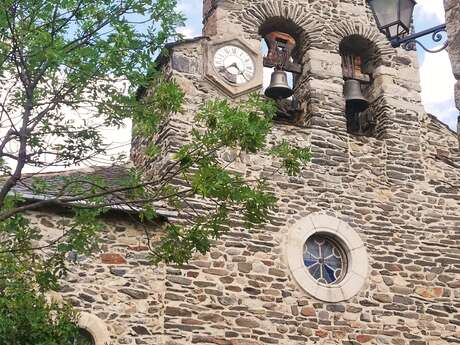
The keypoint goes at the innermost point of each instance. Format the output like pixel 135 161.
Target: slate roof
pixel 112 175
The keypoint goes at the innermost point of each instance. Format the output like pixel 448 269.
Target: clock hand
pixel 235 65
pixel 244 76
pixel 239 70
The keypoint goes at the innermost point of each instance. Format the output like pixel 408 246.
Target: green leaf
pixel 293 158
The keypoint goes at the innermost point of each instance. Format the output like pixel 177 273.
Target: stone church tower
pixel 365 245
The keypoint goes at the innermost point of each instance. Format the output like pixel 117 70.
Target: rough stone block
pixel 363 338
pixel 429 292
pixel 308 311
pixel 136 294
pixel 112 259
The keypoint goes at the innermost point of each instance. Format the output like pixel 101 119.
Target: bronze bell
pixel 279 87
pixel 354 98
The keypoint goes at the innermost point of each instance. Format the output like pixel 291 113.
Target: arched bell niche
pixel 364 40
pixel 283 32
pixel 289 27
pixel 359 60
pixel 262 18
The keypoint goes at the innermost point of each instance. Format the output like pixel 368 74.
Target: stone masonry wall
pixel 400 190
pixel 117 285
pixel 243 293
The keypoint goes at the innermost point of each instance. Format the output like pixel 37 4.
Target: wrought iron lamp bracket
pixel 409 42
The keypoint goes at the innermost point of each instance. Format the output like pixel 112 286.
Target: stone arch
pixel 295 18
pixel 380 47
pixel 377 52
pixel 86 321
pixel 96 327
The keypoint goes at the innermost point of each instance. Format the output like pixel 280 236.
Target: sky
pixel 436 76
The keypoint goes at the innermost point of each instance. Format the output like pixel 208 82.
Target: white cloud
pixel 429 8
pixel 192 10
pixel 187 6
pixel 436 77
pixel 187 31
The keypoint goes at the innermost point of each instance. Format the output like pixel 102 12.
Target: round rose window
pixel 324 259
pixel 327 257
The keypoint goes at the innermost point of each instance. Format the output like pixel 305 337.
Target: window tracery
pixel 325 259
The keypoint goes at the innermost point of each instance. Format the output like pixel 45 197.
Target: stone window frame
pixel 96 327
pixel 348 238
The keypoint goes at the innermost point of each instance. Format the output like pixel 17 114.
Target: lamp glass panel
pixel 394 30
pixel 406 11
pixel 386 11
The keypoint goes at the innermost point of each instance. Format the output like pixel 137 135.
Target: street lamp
pixel 394 19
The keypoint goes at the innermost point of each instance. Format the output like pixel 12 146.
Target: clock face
pixel 234 64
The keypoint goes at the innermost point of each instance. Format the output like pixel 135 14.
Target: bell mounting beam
pixel 280 48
